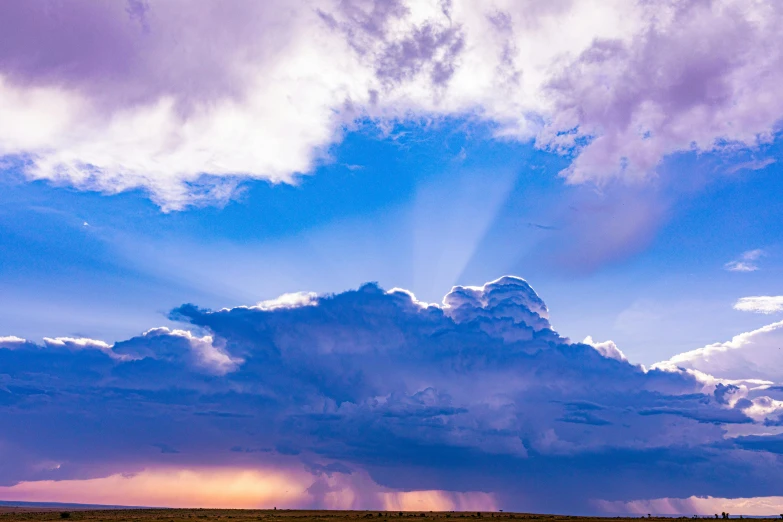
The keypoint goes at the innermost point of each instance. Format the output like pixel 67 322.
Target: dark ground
pixel 36 514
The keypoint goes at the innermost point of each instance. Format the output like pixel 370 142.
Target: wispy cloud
pixel 746 262
pixel 751 165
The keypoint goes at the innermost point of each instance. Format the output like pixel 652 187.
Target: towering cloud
pixel 360 396
pixel 185 99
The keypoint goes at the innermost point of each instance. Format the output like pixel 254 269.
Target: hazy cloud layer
pixel 371 392
pixel 185 99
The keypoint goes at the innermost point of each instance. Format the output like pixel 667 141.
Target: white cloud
pixel 761 304
pixel 208 354
pixel 752 355
pixel 11 342
pixel 81 343
pixel 606 348
pixel 203 353
pixel 290 300
pixel 101 100
pixel 763 408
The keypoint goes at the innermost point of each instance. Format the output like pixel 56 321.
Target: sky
pixel 512 255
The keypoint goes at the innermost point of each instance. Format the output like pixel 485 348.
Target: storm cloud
pixel 373 389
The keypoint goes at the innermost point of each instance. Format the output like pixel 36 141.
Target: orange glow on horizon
pixel 208 488
pixel 241 489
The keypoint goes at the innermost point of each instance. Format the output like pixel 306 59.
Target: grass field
pixel 32 514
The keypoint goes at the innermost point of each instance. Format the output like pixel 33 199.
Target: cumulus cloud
pixel 606 348
pixel 751 355
pixel 11 341
pixel 358 397
pixel 746 262
pixel 291 300
pixel 761 304
pixel 178 345
pixel 111 97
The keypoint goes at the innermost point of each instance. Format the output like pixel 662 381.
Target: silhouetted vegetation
pixel 9 514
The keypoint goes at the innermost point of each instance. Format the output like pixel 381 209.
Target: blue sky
pixel 392 254
pixel 422 209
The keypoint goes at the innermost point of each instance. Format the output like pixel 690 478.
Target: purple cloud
pixel 696 76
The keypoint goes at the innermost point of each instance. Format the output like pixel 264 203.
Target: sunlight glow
pixel 242 489
pixel 209 488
